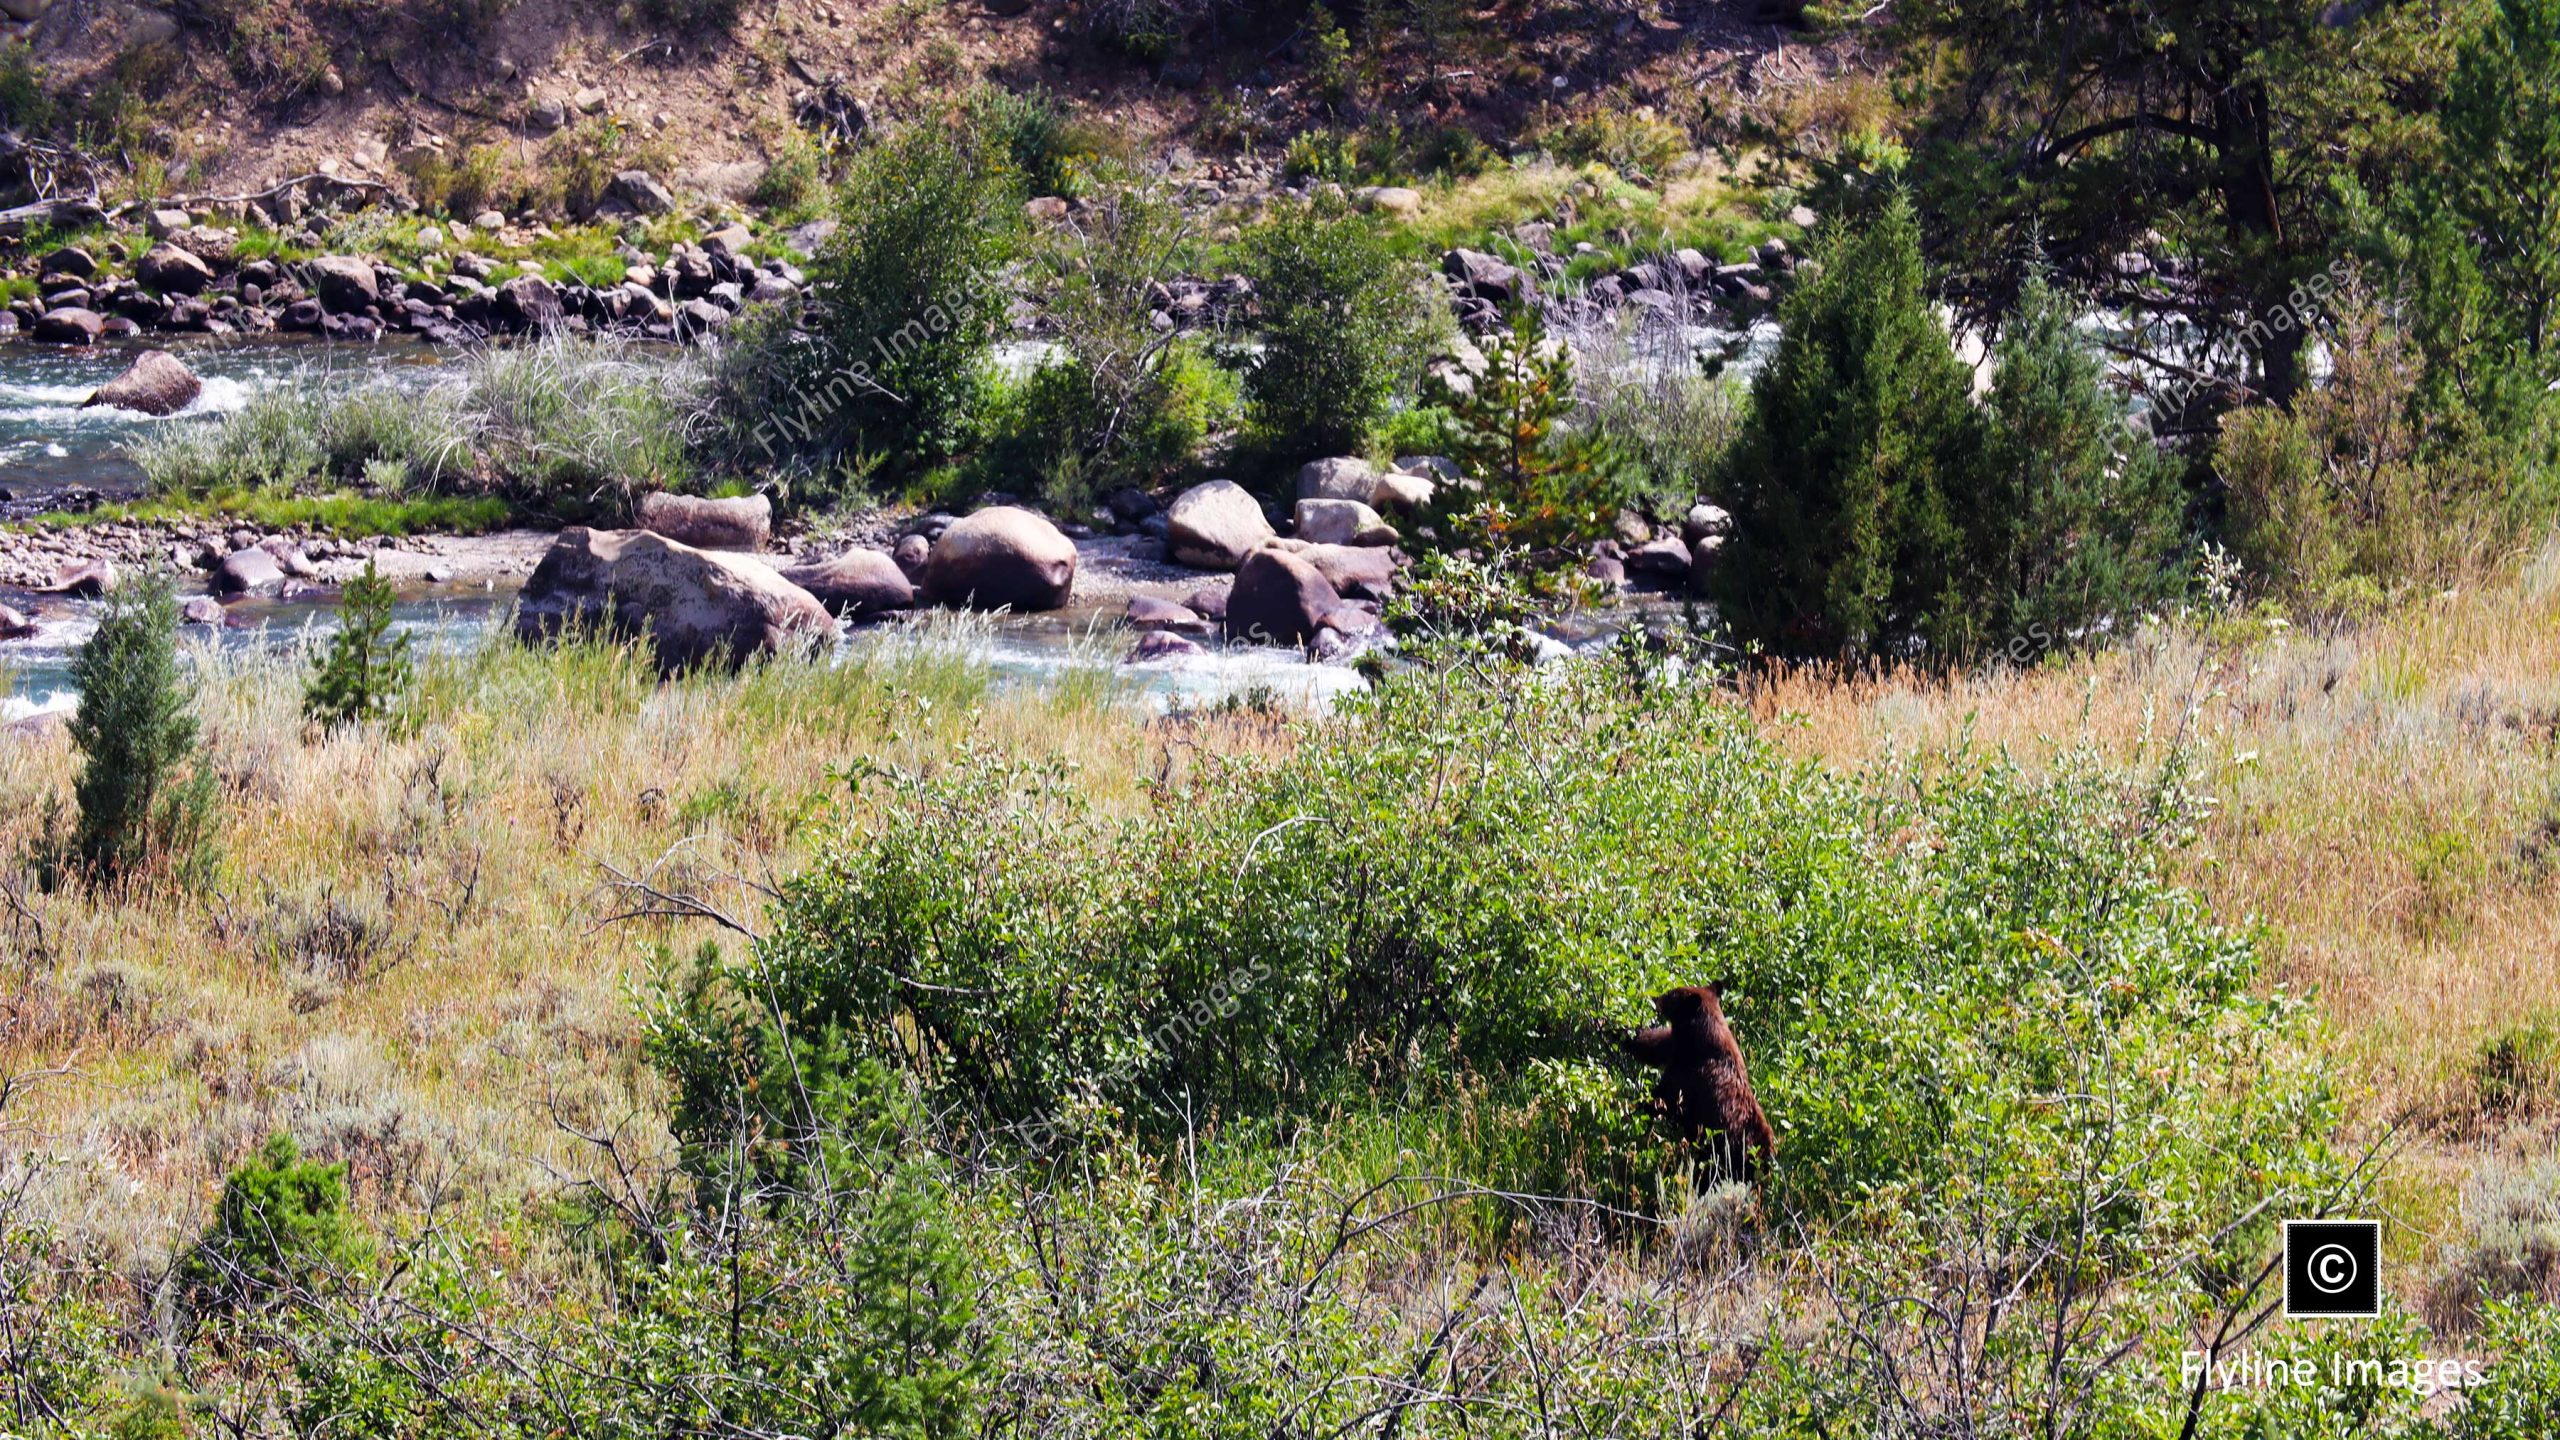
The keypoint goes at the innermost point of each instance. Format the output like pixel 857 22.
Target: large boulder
pixel 1666 556
pixel 1214 526
pixel 1408 493
pixel 1364 570
pixel 1149 612
pixel 1340 479
pixel 243 572
pixel 70 325
pixel 528 302
pixel 856 583
pixel 1279 599
pixel 1001 558
pixel 172 271
pixel 85 579
pixel 641 191
pixel 1705 520
pixel 697 607
pixel 14 625
pixel 344 283
pixel 156 383
pixel 1484 276
pixel 1343 522
pixel 744 522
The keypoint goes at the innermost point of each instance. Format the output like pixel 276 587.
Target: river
pixel 50 447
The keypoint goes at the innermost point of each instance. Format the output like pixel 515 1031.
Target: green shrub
pixel 1031 136
pixel 366 669
pixel 2522 1396
pixel 1372 920
pixel 1668 421
pixel 281 1225
pixel 1340 329
pixel 794 179
pixel 145 790
pixel 459 186
pixel 1127 403
pixel 26 103
pixel 1843 482
pixel 908 299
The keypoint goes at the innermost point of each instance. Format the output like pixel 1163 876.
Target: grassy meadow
pixel 2289 886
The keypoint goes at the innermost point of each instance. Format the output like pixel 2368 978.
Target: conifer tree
pixel 1839 484
pixel 2077 517
pixel 144 793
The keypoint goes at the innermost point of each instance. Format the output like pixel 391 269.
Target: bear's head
pixel 1674 1006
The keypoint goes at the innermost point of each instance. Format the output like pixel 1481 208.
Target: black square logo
pixel 2332 1269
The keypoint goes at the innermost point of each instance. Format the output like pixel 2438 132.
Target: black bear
pixel 1705 1090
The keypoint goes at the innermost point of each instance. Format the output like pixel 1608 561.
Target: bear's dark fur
pixel 1705 1089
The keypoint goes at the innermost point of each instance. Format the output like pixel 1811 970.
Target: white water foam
pixel 19 707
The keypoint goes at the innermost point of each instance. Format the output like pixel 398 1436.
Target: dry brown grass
pixel 2388 809
pixel 407 960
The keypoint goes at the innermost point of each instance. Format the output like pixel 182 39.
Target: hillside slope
pixel 229 96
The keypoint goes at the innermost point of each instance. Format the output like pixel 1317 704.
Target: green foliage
pixel 2221 131
pixel 908 303
pixel 2477 240
pixel 1369 918
pixel 366 670
pixel 1339 328
pixel 2522 1396
pixel 1330 71
pixel 2350 497
pixel 145 790
pixel 280 1226
pixel 1506 429
pixel 2077 518
pixel 1668 420
pixel 1032 138
pixel 26 102
pixel 1844 480
pixel 1636 143
pixel 1127 403
pixel 461 185
pixel 559 428
pixel 794 179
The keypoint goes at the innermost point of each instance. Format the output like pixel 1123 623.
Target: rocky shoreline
pixel 192 272
pixel 710 580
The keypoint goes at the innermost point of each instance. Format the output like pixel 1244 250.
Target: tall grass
pixel 558 427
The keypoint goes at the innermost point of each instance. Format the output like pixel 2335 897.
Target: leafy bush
pixel 907 298
pixel 367 668
pixel 794 179
pixel 1031 136
pixel 145 791
pixel 461 185
pixel 1127 403
pixel 1368 918
pixel 281 1224
pixel 1339 326
pixel 1843 481
pixel 1669 422
pixel 26 104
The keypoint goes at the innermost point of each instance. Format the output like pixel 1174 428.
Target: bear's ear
pixel 1715 988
